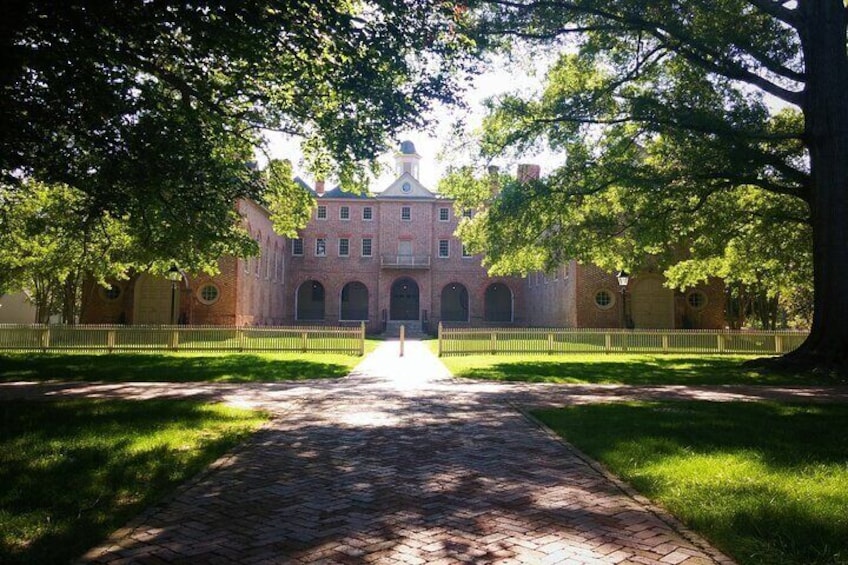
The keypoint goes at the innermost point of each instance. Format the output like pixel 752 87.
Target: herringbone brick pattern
pixel 371 471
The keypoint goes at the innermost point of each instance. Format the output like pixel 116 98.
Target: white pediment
pixel 406 186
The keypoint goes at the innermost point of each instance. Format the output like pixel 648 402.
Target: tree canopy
pixel 153 110
pixel 712 135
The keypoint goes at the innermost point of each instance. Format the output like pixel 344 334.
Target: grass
pixel 176 367
pixel 73 471
pixel 765 482
pixel 630 369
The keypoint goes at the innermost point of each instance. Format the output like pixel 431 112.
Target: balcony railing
pixel 405 261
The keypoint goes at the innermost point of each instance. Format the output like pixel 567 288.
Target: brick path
pixel 399 464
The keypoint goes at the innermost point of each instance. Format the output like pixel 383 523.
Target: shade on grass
pixel 643 369
pixel 767 483
pixel 174 367
pixel 73 471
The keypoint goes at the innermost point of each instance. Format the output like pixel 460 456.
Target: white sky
pixel 433 146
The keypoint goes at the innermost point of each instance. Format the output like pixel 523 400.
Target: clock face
pixel 406 187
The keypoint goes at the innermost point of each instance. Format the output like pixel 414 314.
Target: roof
pixel 339 192
pixel 407 147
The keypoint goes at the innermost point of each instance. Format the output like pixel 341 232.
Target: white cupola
pixel 406 160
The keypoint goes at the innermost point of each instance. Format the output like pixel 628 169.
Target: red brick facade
pixel 416 271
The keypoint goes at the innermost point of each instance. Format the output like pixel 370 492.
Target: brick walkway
pixel 399 464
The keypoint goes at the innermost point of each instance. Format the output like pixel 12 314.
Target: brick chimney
pixel 528 172
pixel 319 187
pixel 494 185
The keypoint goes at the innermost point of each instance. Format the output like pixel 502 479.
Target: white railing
pixel 467 341
pixel 406 261
pixel 110 338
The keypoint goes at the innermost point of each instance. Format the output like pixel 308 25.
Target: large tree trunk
pixel 825 106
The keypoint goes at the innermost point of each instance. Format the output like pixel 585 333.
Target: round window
pixel 697 300
pixel 208 294
pixel 406 187
pixel 112 292
pixel 604 299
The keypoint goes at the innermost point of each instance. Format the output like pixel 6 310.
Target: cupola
pixel 407 159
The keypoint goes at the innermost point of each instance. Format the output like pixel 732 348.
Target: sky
pixel 524 76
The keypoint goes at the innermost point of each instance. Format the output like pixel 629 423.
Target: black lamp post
pixel 623 280
pixel 174 275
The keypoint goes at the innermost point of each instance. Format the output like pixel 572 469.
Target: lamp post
pixel 623 280
pixel 174 275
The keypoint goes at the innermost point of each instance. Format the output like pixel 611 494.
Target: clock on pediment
pixel 406 188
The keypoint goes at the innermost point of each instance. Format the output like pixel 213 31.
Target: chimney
pixel 319 187
pixel 494 185
pixel 528 172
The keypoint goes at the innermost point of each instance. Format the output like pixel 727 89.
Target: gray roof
pixel 339 192
pixel 304 185
pixel 407 147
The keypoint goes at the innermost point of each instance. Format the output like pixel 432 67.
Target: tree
pixel 154 109
pixel 664 109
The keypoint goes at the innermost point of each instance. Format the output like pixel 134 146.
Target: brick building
pixel 393 257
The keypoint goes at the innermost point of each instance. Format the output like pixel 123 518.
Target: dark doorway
pixel 454 303
pixel 498 303
pixel 310 301
pixel 354 302
pixel 404 300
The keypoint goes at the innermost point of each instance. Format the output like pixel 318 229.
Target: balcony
pixel 405 261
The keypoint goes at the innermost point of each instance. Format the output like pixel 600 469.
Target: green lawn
pixel 176 367
pixel 631 369
pixel 73 471
pixel 767 483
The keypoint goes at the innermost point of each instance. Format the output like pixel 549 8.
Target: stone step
pixel 412 329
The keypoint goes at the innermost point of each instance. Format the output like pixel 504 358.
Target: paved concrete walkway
pixel 398 463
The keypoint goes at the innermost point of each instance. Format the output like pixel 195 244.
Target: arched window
pixel 498 303
pixel 354 303
pixel 454 303
pixel 310 301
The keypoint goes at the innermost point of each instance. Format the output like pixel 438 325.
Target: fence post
pixel 494 342
pixel 402 335
pixel 720 343
pixel 110 340
pixel 361 339
pixel 607 343
pixel 550 344
pixel 624 339
pixel 304 336
pixel 440 338
pixel 778 343
pixel 174 342
pixel 45 338
pixel 240 338
pixel 665 343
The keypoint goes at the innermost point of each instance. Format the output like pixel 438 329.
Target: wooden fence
pixel 326 339
pixel 469 341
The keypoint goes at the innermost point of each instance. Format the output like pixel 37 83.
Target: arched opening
pixel 354 303
pixel 498 303
pixel 404 300
pixel 651 303
pixel 310 301
pixel 152 300
pixel 454 303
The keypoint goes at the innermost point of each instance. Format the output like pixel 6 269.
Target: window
pixel 321 247
pixel 467 213
pixel 208 294
pixel 297 247
pixel 444 248
pixel 444 214
pixel 406 213
pixel 247 264
pixel 344 247
pixel 604 299
pixel 697 300
pixel 344 213
pixel 111 292
pixel 322 212
pixel 257 264
pixel 366 247
pixel 465 251
pixel 367 213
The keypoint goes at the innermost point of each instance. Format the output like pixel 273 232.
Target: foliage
pixel 765 482
pixel 687 128
pixel 290 204
pixel 154 109
pixel 75 470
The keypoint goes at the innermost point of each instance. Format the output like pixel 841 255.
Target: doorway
pixel 404 300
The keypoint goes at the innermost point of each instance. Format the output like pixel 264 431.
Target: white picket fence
pixel 468 341
pixel 335 339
